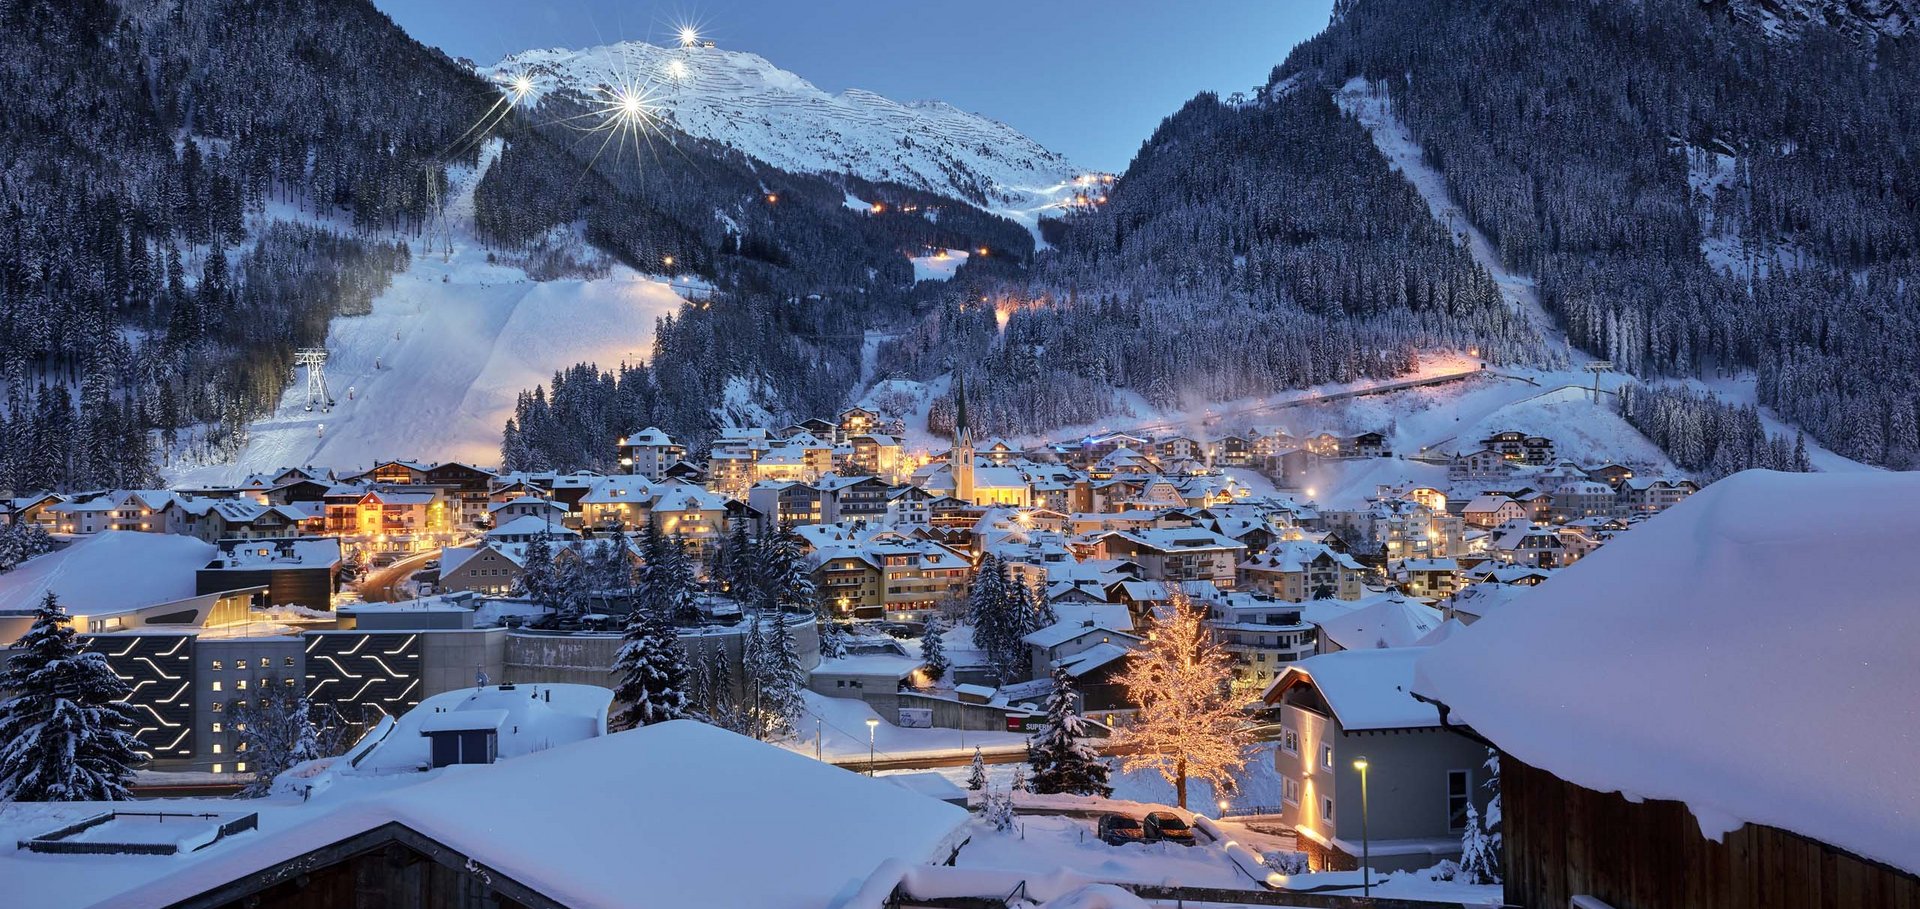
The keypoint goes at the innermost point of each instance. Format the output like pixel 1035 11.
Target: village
pixel 930 605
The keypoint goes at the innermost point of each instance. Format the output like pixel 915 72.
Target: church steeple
pixel 960 459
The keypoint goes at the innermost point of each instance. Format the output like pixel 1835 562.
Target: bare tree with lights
pixel 1187 725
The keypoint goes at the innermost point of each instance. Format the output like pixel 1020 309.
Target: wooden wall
pixel 1563 840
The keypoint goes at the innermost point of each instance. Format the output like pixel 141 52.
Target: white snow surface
pixel 662 810
pixel 938 267
pixel 744 101
pixel 455 339
pixel 1748 652
pixel 107 572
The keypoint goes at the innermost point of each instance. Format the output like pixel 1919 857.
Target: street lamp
pixel 873 724
pixel 1223 809
pixel 1366 850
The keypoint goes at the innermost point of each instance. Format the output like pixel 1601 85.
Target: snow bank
pixel 685 813
pixel 1749 652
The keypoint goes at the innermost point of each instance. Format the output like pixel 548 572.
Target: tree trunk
pixel 1180 783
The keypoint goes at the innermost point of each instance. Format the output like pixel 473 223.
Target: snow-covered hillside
pixel 433 372
pixel 742 100
pixel 1784 18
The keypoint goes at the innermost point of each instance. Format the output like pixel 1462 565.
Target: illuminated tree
pixel 1186 725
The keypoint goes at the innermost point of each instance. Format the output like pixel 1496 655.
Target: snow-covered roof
pixel 683 812
pixel 1387 620
pixel 1367 689
pixel 531 525
pixel 1061 632
pixel 528 718
pixel 1749 652
pixel 109 572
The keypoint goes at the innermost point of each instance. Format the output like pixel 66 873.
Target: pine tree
pixel 652 671
pixel 785 577
pixel 1061 758
pixel 933 652
pixel 1019 781
pixel 282 729
pixel 833 640
pixel 63 733
pixel 753 663
pixel 1186 725
pixel 1493 804
pixel 1479 860
pixel 540 580
pixel 784 682
pixel 977 774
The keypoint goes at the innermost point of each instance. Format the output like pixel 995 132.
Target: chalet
pixel 1229 451
pixel 1070 637
pixel 855 421
pixel 1527 544
pixel 1581 499
pixel 140 510
pixel 1427 577
pixel 1262 634
pixel 1189 554
pixel 855 498
pixel 1484 464
pixel 31 509
pixel 787 503
pixel 546 509
pixel 1383 620
pixel 1654 495
pixel 1296 570
pixel 1178 448
pixel 1335 708
pixel 1365 445
pixel 876 455
pixel 649 453
pixel 1492 511
pixel 1694 796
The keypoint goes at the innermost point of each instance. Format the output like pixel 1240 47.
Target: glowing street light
pixel 689 36
pixel 677 70
pixel 1366 847
pixel 873 725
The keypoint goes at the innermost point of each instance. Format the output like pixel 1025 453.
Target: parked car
pixel 1119 830
pixel 1165 825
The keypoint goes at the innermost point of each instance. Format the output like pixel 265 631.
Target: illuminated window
pixel 289 683
pixel 289 663
pixel 240 747
pixel 239 664
pixel 241 684
pixel 216 684
pixel 216 747
pixel 216 727
pixel 219 768
pixel 1326 808
pixel 1290 741
pixel 242 768
pixel 1326 756
pixel 218 706
pixel 216 664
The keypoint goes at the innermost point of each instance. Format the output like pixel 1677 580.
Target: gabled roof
pixel 1385 621
pixel 563 823
pixel 1749 652
pixel 1366 689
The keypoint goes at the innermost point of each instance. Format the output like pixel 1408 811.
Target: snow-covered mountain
pixel 1893 18
pixel 742 100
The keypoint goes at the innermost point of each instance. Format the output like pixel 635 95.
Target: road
pixel 381 584
pixel 1312 398
pixel 933 761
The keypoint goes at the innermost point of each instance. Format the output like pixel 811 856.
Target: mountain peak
pixel 742 100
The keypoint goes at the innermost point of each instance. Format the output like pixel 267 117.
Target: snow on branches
pixel 1186 724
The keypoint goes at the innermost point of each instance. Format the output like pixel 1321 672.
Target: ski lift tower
pixel 315 360
pixel 1597 367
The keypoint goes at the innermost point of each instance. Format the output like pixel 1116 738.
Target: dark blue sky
pixel 1088 78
